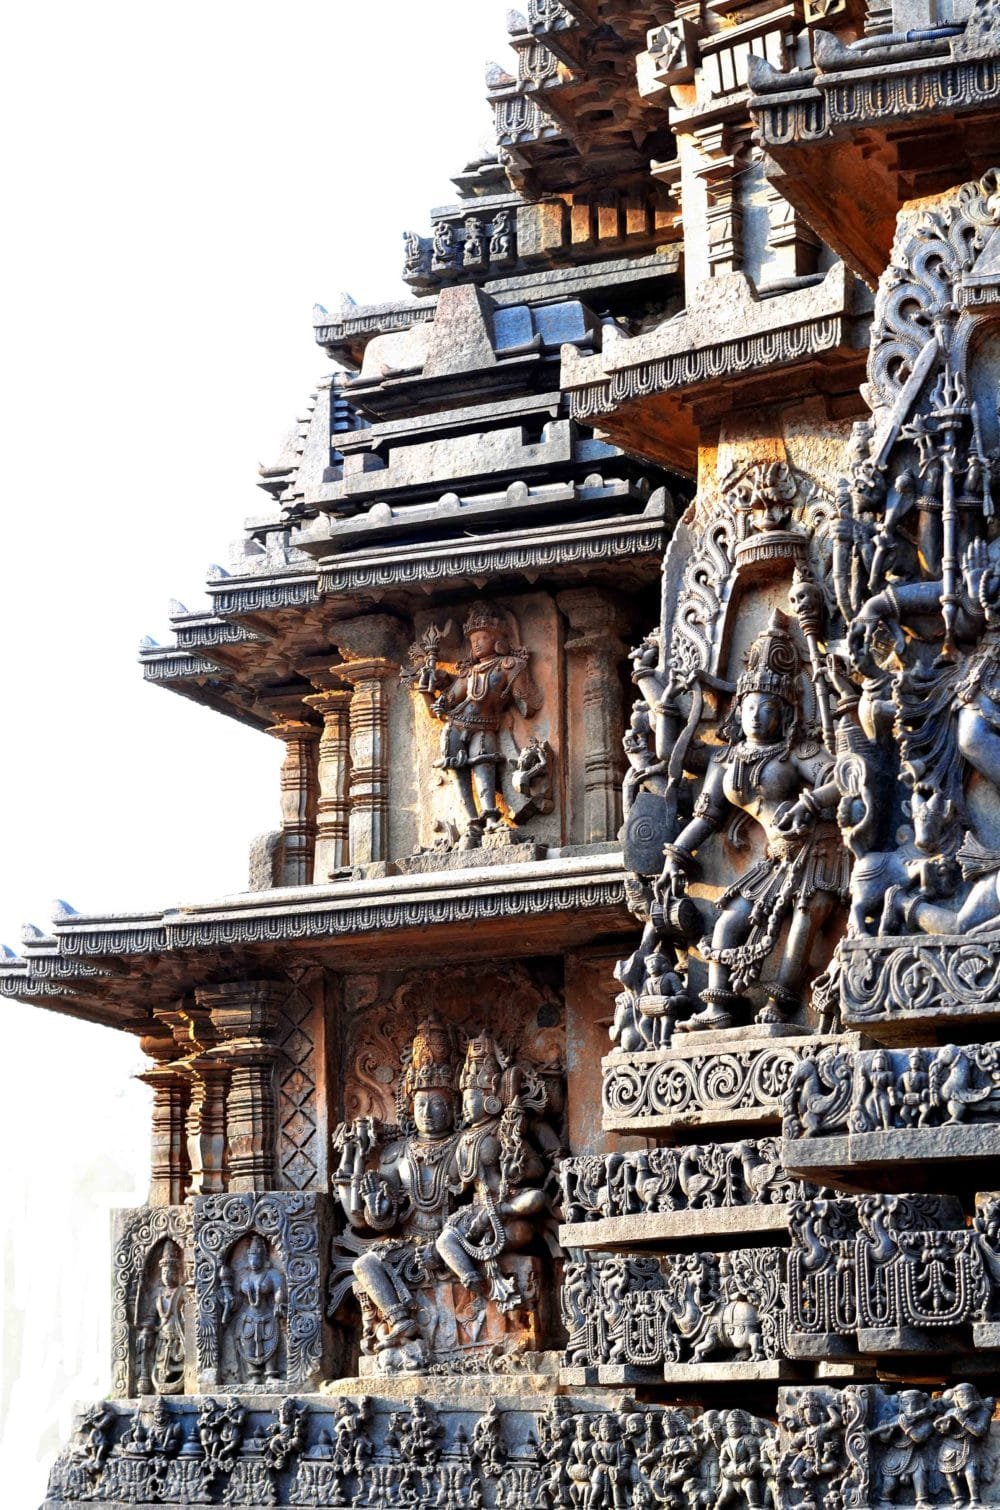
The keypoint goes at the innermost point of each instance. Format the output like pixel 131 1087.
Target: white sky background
pixel 182 182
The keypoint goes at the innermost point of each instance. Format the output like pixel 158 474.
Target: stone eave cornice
pixel 201 679
pixel 539 906
pixel 640 390
pixel 842 95
pixel 874 129
pixel 260 593
pixel 552 549
pixel 345 333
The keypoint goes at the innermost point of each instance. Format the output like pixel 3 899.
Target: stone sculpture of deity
pixel 769 770
pixel 160 1345
pixel 447 1201
pixel 472 703
pixel 257 1303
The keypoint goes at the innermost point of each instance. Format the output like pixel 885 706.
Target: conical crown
pixel 772 662
pixel 432 1058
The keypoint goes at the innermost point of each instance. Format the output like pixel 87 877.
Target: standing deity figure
pixel 450 1200
pixel 471 704
pixel 259 1303
pixel 160 1350
pixel 769 770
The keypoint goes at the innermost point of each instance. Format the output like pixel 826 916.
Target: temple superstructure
pixel 593 1100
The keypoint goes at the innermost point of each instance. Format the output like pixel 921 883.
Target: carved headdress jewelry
pixel 485 616
pixel 484 1069
pixel 432 1059
pixel 772 663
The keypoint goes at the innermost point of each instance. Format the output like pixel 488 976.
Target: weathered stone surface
pixel 560 1171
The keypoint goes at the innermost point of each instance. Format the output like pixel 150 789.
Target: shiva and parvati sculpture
pixel 448 1210
pixel 474 699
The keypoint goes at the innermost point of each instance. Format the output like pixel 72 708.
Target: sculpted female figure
pixel 784 782
pixel 261 1303
pixel 497 1164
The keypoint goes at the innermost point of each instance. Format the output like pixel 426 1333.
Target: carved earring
pixel 491 1105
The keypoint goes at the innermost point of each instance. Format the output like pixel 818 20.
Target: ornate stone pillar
pixel 332 848
pixel 298 798
pixel 369 787
pixel 171 1090
pixel 243 1015
pixel 372 649
pixel 206 1126
pixel 595 619
pixel 205 1119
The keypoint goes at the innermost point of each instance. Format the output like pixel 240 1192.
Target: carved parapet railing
pixel 662 1194
pixel 864 1447
pixel 684 1318
pixel 702 1085
pixel 849 1112
pixel 892 1274
pixel 889 984
pixel 382 1452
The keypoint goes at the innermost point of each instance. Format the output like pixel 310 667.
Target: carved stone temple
pixel 593 1101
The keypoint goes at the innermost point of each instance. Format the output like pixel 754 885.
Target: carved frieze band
pixel 883 979
pixel 669 1087
pixel 359 1451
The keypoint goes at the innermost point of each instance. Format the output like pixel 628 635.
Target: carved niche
pixel 483 689
pixel 258 1290
pixel 150 1300
pixel 737 869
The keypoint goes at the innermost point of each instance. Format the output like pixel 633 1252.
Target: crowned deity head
pixel 429 1081
pixel 767 704
pixel 481 1080
pixel 257 1253
pixel 486 631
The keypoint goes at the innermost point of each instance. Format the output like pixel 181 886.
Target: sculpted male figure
pixel 161 1336
pixel 771 772
pixel 471 704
